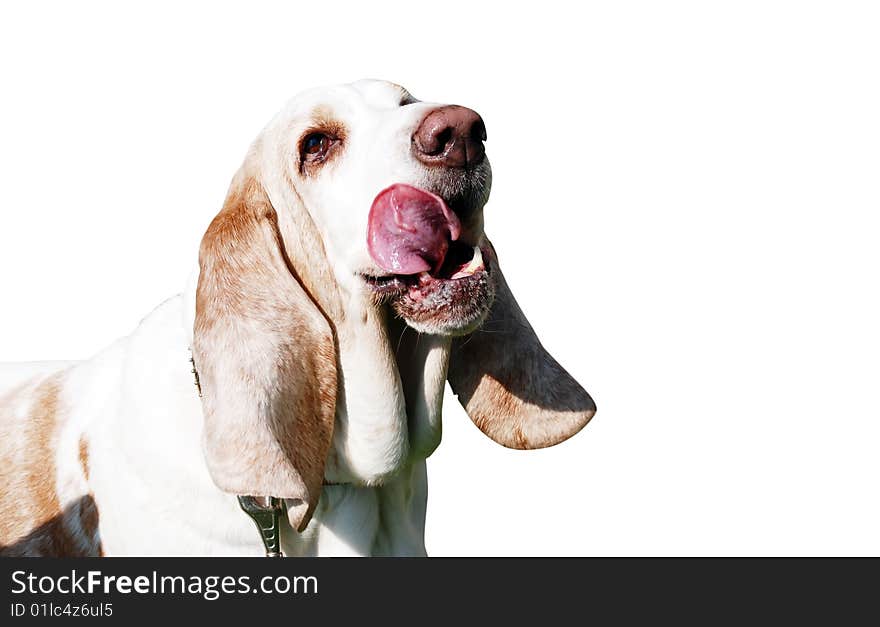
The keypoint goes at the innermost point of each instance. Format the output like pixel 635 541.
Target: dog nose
pixel 450 136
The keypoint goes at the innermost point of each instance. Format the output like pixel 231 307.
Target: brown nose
pixel 450 136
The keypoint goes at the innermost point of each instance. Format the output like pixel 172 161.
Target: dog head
pixel 358 193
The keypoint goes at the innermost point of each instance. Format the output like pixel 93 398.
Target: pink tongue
pixel 409 230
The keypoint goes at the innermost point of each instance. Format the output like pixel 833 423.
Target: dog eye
pixel 319 145
pixel 315 146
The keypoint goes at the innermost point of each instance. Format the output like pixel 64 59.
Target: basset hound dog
pixel 345 280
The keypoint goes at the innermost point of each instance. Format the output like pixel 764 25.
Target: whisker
pixel 400 340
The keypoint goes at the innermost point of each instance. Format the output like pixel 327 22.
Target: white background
pixel 685 203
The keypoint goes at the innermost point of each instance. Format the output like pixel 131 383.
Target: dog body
pixel 346 279
pixel 121 434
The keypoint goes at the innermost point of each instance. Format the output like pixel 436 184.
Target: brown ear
pixel 511 387
pixel 266 360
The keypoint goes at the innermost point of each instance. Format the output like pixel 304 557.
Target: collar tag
pixel 265 512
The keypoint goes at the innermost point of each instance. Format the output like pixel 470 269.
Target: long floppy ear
pixel 266 360
pixel 510 386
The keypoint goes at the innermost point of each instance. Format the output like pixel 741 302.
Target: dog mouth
pixel 432 278
pixel 461 263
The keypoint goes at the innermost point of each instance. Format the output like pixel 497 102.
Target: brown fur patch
pixel 32 521
pixel 84 456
